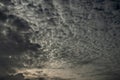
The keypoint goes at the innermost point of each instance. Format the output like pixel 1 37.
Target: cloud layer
pixel 81 35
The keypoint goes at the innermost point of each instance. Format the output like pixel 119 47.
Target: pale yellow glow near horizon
pixel 51 73
pixel 75 73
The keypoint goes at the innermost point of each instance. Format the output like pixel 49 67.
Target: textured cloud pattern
pixel 60 39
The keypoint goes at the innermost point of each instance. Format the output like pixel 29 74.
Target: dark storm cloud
pixel 6 2
pixel 13 77
pixel 12 41
pixel 3 17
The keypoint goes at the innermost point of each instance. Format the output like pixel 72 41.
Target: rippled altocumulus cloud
pixel 75 34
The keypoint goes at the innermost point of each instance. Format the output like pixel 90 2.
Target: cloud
pixel 14 41
pixel 79 32
pixel 13 77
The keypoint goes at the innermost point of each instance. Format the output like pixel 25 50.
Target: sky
pixel 59 39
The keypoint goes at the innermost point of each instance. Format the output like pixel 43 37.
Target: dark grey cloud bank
pixel 14 40
pixel 80 32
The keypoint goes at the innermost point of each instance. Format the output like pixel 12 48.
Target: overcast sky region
pixel 59 39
